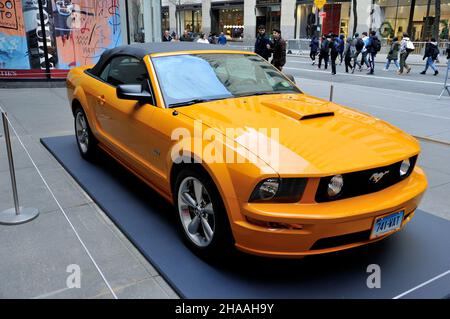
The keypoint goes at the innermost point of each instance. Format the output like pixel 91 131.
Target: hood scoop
pixel 316 115
pixel 299 110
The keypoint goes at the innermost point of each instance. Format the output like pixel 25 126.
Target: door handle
pixel 101 99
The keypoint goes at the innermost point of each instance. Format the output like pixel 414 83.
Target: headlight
pixel 404 167
pixel 335 185
pixel 286 190
pixel 268 189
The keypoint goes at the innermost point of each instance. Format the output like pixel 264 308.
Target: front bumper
pixel 329 226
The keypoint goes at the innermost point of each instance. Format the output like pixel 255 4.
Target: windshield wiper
pixel 195 101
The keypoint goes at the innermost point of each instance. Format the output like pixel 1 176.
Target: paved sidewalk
pixel 35 256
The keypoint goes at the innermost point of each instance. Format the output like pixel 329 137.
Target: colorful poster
pixel 84 29
pixel 13 42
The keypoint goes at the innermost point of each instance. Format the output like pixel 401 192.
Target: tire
pixel 206 243
pixel 86 141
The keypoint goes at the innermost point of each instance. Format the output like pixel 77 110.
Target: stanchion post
pixel 11 163
pixel 331 92
pixel 17 214
pixel 446 85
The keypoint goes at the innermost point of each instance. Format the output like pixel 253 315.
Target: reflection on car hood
pixel 316 137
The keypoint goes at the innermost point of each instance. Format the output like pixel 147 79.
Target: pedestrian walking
pixel 431 54
pixel 392 55
pixel 359 45
pixel 314 46
pixel 341 48
pixel 373 47
pixel 324 53
pixel 186 36
pixel 261 43
pixel 406 47
pixel 334 52
pixel 278 49
pixel 166 36
pixel 349 54
pixel 211 38
pixel 222 39
pixel 364 52
pixel 203 39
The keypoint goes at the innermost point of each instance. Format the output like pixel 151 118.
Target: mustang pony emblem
pixel 376 177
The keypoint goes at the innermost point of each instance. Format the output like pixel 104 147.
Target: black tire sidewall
pixel 90 153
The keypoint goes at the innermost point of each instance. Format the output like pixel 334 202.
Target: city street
pixel 39 252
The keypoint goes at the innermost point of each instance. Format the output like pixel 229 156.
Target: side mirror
pixel 290 77
pixel 133 92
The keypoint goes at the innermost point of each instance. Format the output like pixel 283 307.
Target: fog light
pixel 404 167
pixel 335 185
pixel 274 225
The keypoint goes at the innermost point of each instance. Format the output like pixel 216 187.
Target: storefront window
pixel 268 13
pixel 394 16
pixel 192 20
pixel 231 22
pixel 165 23
pixel 336 19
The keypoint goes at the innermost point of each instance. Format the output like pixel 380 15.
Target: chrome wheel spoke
pixel 207 229
pixel 187 198
pixel 198 190
pixel 193 225
pixel 208 209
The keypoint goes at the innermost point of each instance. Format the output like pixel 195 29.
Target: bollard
pixel 17 214
pixel 331 92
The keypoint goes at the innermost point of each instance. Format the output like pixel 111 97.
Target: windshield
pixel 202 77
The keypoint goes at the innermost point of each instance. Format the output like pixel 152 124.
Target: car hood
pixel 315 137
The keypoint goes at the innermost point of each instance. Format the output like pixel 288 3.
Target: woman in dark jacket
pixel 314 45
pixel 393 54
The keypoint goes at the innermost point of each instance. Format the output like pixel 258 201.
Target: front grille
pixel 341 240
pixel 359 183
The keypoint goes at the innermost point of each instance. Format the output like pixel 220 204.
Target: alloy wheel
pixel 196 211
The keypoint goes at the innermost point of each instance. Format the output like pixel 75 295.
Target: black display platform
pixel 407 259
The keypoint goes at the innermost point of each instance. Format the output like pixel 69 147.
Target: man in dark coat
pixel 324 53
pixel 278 48
pixel 262 41
pixel 431 54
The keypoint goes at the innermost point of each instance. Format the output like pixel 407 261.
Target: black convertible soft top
pixel 139 50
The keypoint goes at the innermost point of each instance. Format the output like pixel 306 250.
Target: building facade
pixel 298 19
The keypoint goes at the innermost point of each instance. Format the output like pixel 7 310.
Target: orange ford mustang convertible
pixel 246 158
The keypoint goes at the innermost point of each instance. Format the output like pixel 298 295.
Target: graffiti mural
pixel 65 34
pixel 84 29
pixel 13 43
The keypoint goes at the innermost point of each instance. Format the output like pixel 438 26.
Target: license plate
pixel 386 224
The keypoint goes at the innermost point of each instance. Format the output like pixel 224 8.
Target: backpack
pixel 376 44
pixel 409 46
pixel 359 45
pixel 325 46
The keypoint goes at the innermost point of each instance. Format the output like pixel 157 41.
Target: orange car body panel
pixel 139 136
